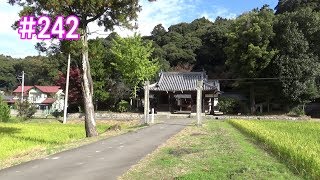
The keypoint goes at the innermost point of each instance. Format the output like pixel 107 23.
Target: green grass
pixel 295 143
pixel 19 138
pixel 36 138
pixel 214 151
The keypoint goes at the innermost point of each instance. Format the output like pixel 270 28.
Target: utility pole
pixel 66 94
pixel 22 87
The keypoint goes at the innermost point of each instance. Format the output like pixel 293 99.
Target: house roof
pixel 48 89
pixel 49 101
pixel 25 89
pixel 183 81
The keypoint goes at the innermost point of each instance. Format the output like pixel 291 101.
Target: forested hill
pixel 39 70
pixel 196 46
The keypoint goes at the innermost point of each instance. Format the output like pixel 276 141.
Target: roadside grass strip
pixel 21 142
pixel 214 151
pixel 19 138
pixel 295 143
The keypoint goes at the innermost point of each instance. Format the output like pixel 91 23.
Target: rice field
pixel 17 139
pixel 296 143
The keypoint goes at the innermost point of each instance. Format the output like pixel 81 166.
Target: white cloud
pixel 165 12
pixel 218 11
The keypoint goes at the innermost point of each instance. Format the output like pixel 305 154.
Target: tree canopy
pixel 132 59
pixel 105 13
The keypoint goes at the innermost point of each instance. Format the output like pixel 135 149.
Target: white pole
pixel 66 94
pixel 22 87
pixel 152 115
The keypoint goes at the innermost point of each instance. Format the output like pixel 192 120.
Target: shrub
pixel 25 109
pixel 228 105
pixel 57 113
pixel 297 111
pixel 4 111
pixel 123 106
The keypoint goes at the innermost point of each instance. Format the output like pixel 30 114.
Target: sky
pixel 165 12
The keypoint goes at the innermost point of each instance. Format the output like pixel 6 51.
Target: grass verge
pixel 214 151
pixel 297 143
pixel 22 142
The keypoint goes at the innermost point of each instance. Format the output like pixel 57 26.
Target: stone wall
pixel 109 116
pixel 269 117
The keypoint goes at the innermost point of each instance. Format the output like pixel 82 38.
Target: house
pixel 9 100
pixel 176 92
pixel 43 97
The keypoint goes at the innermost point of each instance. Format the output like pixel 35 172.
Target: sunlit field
pixel 21 138
pixel 295 143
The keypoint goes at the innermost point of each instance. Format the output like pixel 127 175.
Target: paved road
pixel 105 159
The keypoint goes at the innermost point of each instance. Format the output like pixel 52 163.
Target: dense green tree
pixel 158 33
pixel 7 73
pixel 177 45
pixel 4 111
pixel 294 5
pixel 39 70
pixel 249 49
pixel 99 69
pixel 211 55
pixel 198 45
pixel 132 59
pixel 297 63
pixel 105 13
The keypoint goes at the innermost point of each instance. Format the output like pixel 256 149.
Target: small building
pixel 43 97
pixel 9 100
pixel 176 92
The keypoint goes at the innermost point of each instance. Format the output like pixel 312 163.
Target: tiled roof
pixel 48 89
pixel 25 89
pixel 49 101
pixel 182 81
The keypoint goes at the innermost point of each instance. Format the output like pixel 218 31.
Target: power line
pixel 239 79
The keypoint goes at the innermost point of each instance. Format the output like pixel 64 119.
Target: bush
pixel 297 111
pixel 57 114
pixel 25 110
pixel 228 105
pixel 4 111
pixel 123 106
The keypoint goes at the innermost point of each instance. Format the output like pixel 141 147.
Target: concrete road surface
pixel 105 159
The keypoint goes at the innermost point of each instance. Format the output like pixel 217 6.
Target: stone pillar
pixel 146 102
pixel 199 101
pixel 210 105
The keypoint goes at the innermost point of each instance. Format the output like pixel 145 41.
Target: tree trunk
pixel 268 103
pixel 87 89
pixel 252 100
